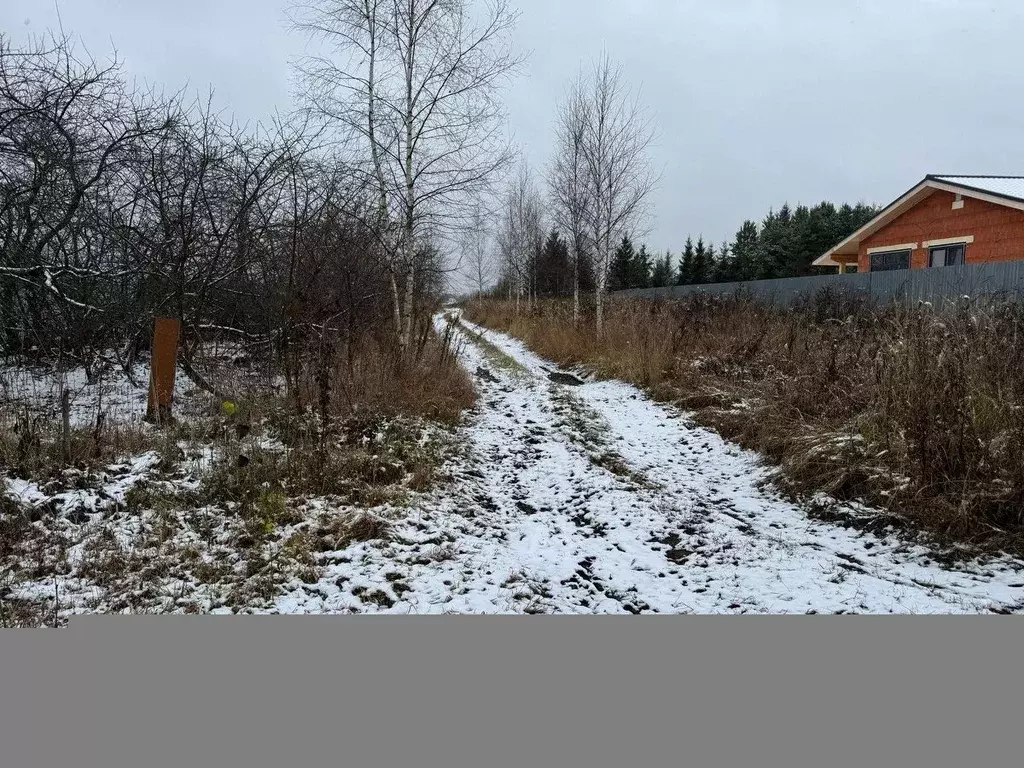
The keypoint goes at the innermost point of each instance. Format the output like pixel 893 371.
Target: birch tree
pixel 521 235
pixel 476 247
pixel 413 84
pixel 619 180
pixel 568 189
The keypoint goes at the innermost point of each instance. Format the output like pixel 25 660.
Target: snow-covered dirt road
pixel 587 497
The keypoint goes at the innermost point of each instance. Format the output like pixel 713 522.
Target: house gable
pixel 986 212
pixel 994 232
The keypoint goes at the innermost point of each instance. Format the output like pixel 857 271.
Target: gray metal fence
pixel 909 285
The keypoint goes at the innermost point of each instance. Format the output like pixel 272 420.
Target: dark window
pixel 947 255
pixel 886 260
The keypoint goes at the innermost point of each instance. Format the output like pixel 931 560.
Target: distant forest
pixel 783 245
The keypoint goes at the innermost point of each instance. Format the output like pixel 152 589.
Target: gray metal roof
pixel 1004 186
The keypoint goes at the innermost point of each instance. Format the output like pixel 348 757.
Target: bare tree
pixel 414 85
pixel 619 180
pixel 567 179
pixel 476 249
pixel 521 235
pixel 69 127
pixel 117 204
pixel 507 241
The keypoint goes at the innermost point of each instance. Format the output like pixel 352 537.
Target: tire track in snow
pixel 540 520
pixel 747 547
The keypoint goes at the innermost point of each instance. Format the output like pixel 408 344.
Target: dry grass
pixel 916 411
pixel 33 448
pixel 372 375
pixel 248 492
pixel 366 459
pixel 339 386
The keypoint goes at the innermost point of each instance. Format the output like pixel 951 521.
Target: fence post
pixel 162 365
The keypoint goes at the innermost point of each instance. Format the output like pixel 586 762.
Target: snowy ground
pixel 112 393
pixel 566 496
pixel 594 499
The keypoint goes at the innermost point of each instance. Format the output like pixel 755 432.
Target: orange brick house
pixel 944 220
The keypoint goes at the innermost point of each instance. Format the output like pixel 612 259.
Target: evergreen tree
pixel 588 280
pixel 785 245
pixel 774 244
pixel 724 271
pixel 621 270
pixel 640 274
pixel 791 240
pixel 554 268
pixel 744 251
pixel 701 265
pixel 813 238
pixel 663 274
pixel 686 264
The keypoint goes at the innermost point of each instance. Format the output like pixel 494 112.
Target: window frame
pixel 908 252
pixel 945 247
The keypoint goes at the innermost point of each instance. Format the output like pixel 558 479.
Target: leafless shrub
pixel 117 205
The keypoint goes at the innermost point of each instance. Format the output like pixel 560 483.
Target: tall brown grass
pixel 341 376
pixel 915 410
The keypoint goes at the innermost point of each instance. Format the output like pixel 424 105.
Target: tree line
pixel 784 245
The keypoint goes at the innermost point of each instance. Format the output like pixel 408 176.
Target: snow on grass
pixel 203 532
pixel 111 392
pixel 534 525
pixel 121 398
pixel 564 496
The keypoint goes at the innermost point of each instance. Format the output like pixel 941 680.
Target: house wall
pixel 998 230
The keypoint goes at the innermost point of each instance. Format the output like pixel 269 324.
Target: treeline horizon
pixel 783 245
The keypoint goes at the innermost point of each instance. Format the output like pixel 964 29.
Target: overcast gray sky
pixel 757 102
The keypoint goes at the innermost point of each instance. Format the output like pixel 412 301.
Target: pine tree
pixel 554 268
pixel 662 274
pixel 744 251
pixel 686 264
pixel 700 263
pixel 640 274
pixel 621 269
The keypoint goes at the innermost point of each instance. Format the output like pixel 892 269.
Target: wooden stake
pixel 162 367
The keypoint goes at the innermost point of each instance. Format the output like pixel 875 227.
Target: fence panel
pixel 907 285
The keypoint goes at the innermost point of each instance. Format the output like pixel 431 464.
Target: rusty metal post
pixel 166 332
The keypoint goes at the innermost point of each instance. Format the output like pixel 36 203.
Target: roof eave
pixel 851 245
pixel 826 261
